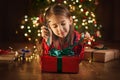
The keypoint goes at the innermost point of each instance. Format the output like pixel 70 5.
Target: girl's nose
pixel 60 28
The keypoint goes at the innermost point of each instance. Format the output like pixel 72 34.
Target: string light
pixel 53 0
pixel 80 6
pixel 25 34
pixel 65 2
pixel 22 27
pixel 29 39
pixel 29 31
pixel 26 16
pixel 81 10
pixel 38 34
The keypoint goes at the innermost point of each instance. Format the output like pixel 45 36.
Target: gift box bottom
pixel 69 64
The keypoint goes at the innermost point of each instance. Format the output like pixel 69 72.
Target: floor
pixel 87 71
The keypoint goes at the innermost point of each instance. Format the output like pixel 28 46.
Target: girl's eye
pixel 62 24
pixel 54 26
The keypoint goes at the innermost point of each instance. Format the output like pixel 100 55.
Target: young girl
pixel 59 32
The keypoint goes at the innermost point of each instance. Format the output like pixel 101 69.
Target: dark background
pixel 12 12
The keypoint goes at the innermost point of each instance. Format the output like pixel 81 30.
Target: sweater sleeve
pixel 78 49
pixel 45 47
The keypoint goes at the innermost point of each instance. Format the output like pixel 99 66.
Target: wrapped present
pixel 6 55
pixel 4 52
pixel 69 64
pixel 88 55
pixel 116 53
pixel 104 55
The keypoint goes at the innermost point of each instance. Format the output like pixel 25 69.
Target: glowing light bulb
pixel 16 32
pixel 81 10
pixel 53 0
pixel 34 46
pixel 36 40
pixel 80 6
pixel 26 20
pixel 22 27
pixel 83 24
pixel 38 31
pixel 65 2
pixel 74 17
pixel 86 27
pixel 26 16
pixel 86 13
pixel 29 39
pixel 28 27
pixel 77 1
pixel 38 34
pixel 25 34
pixel 89 42
pixel 29 31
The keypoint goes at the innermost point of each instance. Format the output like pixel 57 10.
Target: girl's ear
pixel 71 20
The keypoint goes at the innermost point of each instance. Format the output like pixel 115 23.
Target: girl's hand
pixel 46 33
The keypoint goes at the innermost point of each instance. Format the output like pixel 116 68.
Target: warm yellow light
pixel 94 40
pixel 84 20
pixel 28 27
pixel 53 0
pixel 34 46
pixel 29 39
pixel 37 18
pixel 29 31
pixel 16 32
pixel 80 6
pixel 38 31
pixel 83 24
pixel 89 42
pixel 36 40
pixel 92 14
pixel 25 34
pixel 26 20
pixel 26 16
pixel 76 20
pixel 36 24
pixel 86 27
pixel 73 2
pixel 38 34
pixel 86 13
pixel 74 17
pixel 22 27
pixel 26 47
pixel 65 2
pixel 77 1
pixel 81 10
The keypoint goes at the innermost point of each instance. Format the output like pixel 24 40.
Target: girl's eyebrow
pixel 63 21
pixel 55 24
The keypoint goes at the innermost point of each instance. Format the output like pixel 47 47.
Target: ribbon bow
pixel 67 51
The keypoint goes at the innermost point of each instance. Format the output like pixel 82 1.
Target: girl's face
pixel 60 25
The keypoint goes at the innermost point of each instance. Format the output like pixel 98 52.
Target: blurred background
pixel 12 11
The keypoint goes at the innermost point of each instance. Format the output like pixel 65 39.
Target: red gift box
pixel 69 64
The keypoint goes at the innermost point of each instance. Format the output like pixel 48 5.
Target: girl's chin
pixel 62 36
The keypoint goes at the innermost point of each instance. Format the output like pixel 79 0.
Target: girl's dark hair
pixel 60 10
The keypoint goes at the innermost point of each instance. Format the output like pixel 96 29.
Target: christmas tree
pixel 83 13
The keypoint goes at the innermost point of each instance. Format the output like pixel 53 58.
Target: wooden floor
pixel 87 71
